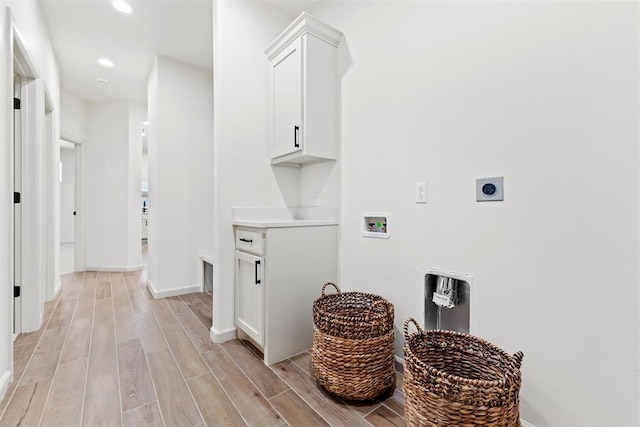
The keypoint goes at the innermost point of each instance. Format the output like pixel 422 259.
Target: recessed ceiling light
pixel 102 81
pixel 105 62
pixel 122 6
pixel 145 122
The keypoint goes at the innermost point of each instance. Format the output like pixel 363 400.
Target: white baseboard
pixel 172 292
pixel 219 337
pixel 5 380
pixel 111 269
pixel 526 424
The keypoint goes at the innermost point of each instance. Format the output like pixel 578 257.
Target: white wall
pixel 137 113
pixel 180 175
pixel 542 93
pixel 144 168
pixel 6 212
pixel 67 195
pixel 243 30
pixel 153 107
pixel 73 117
pixel 112 169
pixel 545 94
pixel 30 22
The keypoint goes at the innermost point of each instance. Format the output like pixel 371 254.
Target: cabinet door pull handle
pixel 296 131
pixel 246 240
pixel 256 265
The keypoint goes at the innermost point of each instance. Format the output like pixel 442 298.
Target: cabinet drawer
pixel 250 241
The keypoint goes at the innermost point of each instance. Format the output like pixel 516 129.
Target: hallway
pixel 112 355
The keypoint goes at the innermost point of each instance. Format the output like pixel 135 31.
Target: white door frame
pixel 33 112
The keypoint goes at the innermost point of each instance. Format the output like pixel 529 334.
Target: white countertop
pixel 272 223
pixel 289 217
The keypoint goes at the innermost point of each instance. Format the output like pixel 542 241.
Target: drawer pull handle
pixel 246 240
pixel 296 129
pixel 257 280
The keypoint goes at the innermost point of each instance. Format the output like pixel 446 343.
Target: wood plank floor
pixel 110 355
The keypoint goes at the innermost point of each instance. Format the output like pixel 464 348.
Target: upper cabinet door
pixel 287 101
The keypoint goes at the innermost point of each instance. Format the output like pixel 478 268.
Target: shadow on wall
pixel 534 416
pixel 288 179
pixel 344 65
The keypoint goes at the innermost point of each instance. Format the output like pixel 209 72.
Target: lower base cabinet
pixel 279 272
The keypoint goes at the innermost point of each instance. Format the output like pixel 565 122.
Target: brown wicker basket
pixel 456 379
pixel 353 344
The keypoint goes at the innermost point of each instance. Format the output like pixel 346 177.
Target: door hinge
pixel 16 103
pixel 16 291
pixel 16 197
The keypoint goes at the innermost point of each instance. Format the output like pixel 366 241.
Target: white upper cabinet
pixel 303 92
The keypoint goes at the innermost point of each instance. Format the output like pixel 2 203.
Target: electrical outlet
pixel 420 193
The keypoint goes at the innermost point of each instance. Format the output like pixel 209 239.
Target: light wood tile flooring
pixel 110 355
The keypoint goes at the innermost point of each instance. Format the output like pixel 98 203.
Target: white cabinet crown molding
pixel 304 24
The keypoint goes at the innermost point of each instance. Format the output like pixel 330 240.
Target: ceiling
pixel 293 8
pixel 82 31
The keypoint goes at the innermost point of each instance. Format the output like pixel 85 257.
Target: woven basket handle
pixel 332 284
pixel 406 326
pixel 375 303
pixel 518 358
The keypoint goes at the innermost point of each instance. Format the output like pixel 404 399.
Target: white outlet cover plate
pixel 490 194
pixel 420 192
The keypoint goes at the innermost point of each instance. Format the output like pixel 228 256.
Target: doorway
pixel 70 181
